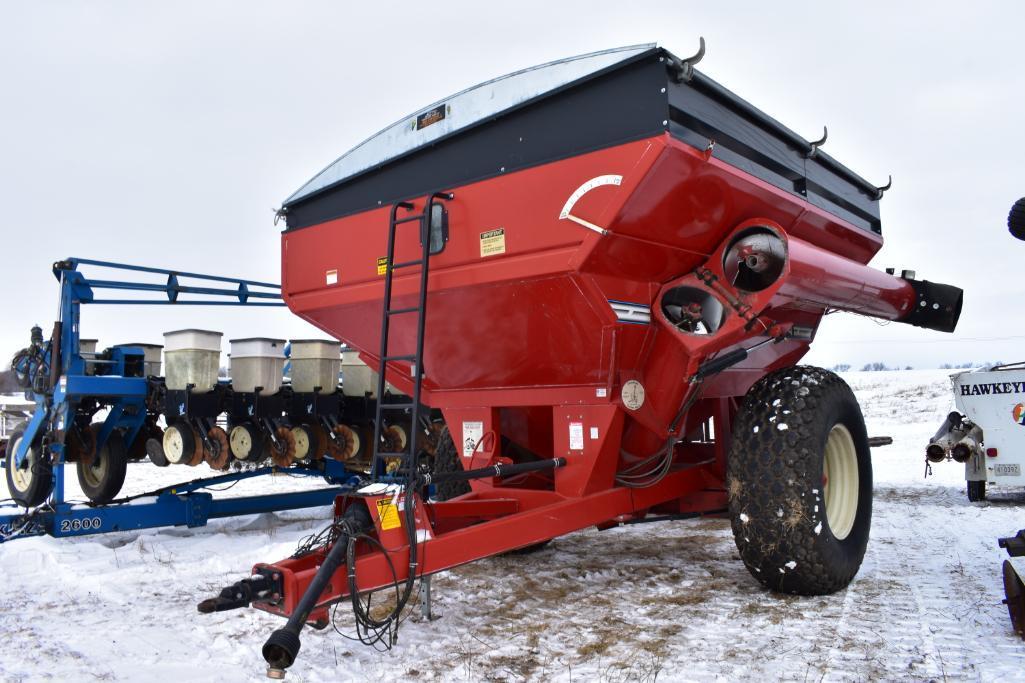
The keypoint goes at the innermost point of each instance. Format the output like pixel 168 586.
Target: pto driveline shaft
pixel 494 471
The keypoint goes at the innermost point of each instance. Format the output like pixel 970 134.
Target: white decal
pixel 576 436
pixel 473 432
pixel 632 394
pixel 597 181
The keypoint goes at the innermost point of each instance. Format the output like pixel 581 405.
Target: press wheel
pixel 283 452
pixel 200 453
pixel 220 455
pixel 346 443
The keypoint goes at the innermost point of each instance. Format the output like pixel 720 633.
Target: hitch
pixel 1015 545
pixel 283 645
pixel 1014 580
pixel 242 594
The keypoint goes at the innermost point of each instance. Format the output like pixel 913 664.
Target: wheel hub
pixel 96 472
pixel 840 483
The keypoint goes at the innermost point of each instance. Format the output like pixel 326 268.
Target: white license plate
pixel 1007 470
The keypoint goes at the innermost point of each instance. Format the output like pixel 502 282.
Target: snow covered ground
pixel 669 600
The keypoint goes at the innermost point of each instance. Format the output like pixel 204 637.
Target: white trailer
pixel 14 412
pixel 987 434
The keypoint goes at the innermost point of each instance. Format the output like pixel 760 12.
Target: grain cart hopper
pixel 594 279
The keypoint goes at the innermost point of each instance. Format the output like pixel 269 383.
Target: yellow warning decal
pixel 388 513
pixel 382 265
pixel 492 242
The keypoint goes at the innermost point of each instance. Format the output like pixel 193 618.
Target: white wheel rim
pixel 840 484
pixel 241 442
pixel 302 442
pixel 96 472
pixel 21 477
pixel 174 446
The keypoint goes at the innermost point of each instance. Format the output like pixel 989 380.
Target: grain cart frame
pixel 615 266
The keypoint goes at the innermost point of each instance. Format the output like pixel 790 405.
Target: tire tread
pixel 776 505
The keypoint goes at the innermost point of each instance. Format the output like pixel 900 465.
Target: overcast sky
pixel 164 133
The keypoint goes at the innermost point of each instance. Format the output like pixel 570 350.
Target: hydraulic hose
pixel 282 646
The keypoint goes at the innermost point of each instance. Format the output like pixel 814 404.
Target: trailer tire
pixel 446 460
pixel 29 485
pixel 976 491
pixel 79 444
pixel 1016 219
pixel 102 476
pixel 795 426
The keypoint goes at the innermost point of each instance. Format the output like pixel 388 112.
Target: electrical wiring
pixel 660 463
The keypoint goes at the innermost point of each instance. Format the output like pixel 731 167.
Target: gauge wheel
pixel 102 476
pixel 179 443
pixel 138 450
pixel 29 484
pixel 246 442
pixel 302 438
pixel 318 440
pixel 220 455
pixel 155 451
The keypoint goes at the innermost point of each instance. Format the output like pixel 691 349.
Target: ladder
pixel 406 454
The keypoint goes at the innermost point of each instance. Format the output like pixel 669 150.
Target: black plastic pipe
pixel 494 471
pixel 282 647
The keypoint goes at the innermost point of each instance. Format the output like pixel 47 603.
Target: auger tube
pixel 283 645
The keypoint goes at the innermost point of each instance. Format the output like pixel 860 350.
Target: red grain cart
pixel 593 279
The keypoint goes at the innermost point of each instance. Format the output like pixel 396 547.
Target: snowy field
pixel 666 601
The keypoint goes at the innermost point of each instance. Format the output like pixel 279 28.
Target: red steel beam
pixel 477 541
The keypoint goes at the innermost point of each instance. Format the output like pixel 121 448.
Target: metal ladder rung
pixel 397 311
pixel 414 406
